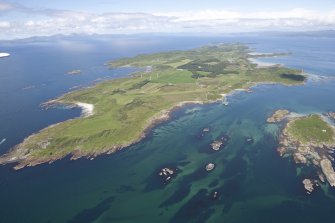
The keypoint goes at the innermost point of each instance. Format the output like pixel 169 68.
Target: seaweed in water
pixel 91 214
pixel 197 209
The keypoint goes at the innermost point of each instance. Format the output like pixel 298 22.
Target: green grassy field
pixel 311 129
pixel 125 107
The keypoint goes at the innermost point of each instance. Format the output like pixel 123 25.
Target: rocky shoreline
pixel 278 116
pixel 307 153
pixel 22 158
pixel 18 154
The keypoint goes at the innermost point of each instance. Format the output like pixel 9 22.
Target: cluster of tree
pixel 213 70
pixel 137 102
pixel 295 77
pixel 139 84
pixel 118 91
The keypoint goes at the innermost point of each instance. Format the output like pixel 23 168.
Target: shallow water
pixel 255 184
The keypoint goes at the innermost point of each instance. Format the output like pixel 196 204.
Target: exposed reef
pixel 220 142
pixel 167 173
pixel 210 167
pixel 309 185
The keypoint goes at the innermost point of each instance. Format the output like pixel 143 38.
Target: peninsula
pixel 119 112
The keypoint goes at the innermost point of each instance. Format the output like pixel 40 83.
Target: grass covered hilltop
pixel 124 109
pixel 310 140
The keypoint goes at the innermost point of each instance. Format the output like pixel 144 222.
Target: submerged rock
pixel 206 130
pixel 215 195
pixel 203 133
pixel 321 177
pixel 249 140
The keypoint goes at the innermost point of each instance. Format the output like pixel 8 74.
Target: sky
pixel 26 18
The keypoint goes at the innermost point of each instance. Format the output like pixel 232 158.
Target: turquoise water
pixel 254 183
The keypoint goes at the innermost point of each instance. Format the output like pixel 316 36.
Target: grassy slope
pixel 123 107
pixel 309 130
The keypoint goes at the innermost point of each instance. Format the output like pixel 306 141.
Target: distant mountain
pixel 58 37
pixel 321 33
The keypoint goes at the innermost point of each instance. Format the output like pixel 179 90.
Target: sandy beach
pixel 87 109
pixel 261 64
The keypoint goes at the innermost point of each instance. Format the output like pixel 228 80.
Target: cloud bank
pixel 17 21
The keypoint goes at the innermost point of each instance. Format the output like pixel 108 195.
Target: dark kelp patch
pixel 91 214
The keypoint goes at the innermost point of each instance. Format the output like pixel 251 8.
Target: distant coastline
pixel 254 59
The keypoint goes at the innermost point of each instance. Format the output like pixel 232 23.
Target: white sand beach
pixel 87 109
pixel 261 64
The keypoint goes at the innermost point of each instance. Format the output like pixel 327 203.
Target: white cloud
pixel 50 22
pixel 4 25
pixel 5 6
pixel 260 15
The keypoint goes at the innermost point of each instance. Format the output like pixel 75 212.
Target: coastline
pixel 254 59
pixel 261 64
pixel 314 152
pixel 114 129
pixel 159 118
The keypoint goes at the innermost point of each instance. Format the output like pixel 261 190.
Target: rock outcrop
pixel 210 166
pixel 278 116
pixel 220 143
pixel 328 171
pixel 312 152
pixel 309 185
pixel 166 174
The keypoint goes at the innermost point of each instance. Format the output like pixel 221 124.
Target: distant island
pixel 310 141
pixel 4 55
pixel 74 72
pixel 120 112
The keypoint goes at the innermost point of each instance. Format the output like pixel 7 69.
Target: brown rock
pixel 299 158
pixel 309 185
pixel 328 171
pixel 210 166
pixel 278 116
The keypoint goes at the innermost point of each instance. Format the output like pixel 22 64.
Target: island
pixel 278 116
pixel 74 72
pixel 310 141
pixel 119 112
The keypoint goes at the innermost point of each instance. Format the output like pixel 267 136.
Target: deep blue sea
pixel 255 184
